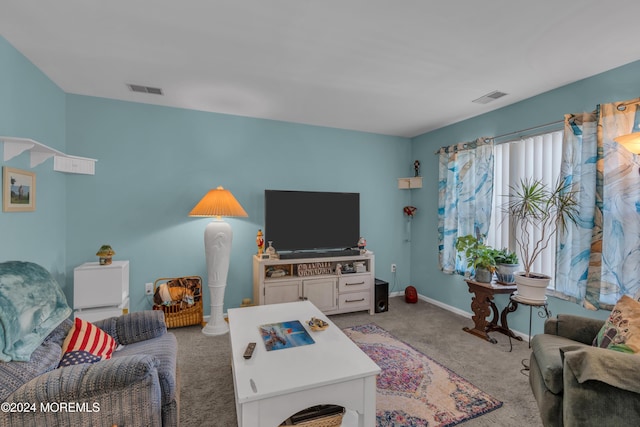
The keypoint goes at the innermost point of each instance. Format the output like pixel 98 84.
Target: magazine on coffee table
pixel 281 335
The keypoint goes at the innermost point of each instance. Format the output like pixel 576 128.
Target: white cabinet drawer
pixel 354 282
pixel 354 300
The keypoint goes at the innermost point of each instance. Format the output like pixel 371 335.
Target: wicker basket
pixel 330 421
pixel 333 420
pixel 180 313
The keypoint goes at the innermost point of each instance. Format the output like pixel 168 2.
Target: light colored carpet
pixel 206 385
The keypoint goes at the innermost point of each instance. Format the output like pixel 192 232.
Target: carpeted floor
pixel 207 397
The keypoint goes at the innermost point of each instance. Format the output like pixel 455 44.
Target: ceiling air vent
pixel 491 96
pixel 145 89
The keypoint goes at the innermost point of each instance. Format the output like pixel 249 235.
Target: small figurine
pixel 416 167
pixel 260 242
pixel 105 253
pixel 362 244
pixel 271 251
pixel 339 269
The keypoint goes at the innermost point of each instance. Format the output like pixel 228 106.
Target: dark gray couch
pixel 136 387
pixel 576 384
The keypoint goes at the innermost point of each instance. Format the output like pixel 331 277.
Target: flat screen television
pixel 311 220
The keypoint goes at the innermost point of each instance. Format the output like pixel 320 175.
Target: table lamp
pixel 217 248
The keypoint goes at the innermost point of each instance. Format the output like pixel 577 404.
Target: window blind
pixel 534 157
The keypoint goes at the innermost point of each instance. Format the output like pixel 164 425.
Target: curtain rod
pixel 518 132
pixel 557 122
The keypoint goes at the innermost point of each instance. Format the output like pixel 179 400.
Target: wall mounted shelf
pixel 38 153
pixel 409 183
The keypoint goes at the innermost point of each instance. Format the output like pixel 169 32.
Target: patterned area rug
pixel 414 390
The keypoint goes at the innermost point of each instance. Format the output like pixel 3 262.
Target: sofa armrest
pixel 134 327
pixel 120 391
pixel 84 380
pixel 601 387
pixel 615 368
pixel 140 326
pixel 576 328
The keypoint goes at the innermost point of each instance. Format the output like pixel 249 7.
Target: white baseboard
pixel 453 309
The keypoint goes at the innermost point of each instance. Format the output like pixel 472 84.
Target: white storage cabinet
pixel 101 291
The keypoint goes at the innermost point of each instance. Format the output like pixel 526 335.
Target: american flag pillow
pixel 86 343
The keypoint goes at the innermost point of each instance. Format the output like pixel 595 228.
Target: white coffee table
pixel 273 385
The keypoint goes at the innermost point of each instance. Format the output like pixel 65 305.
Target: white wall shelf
pixel 38 153
pixel 409 183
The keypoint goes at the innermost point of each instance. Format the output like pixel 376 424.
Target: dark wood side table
pixel 482 305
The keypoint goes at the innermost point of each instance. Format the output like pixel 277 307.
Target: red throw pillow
pixel 86 343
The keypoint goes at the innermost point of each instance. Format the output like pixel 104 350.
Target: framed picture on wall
pixel 18 190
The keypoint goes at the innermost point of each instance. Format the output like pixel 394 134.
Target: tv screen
pixel 311 220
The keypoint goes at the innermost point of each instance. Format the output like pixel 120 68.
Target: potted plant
pixel 478 256
pixel 533 205
pixel 507 265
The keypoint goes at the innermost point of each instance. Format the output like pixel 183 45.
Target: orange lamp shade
pixel 218 202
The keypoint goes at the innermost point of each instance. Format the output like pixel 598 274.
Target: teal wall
pixel 31 106
pixel 615 85
pixel 155 163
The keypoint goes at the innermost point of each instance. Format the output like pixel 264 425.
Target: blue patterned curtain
pixel 465 192
pixel 597 260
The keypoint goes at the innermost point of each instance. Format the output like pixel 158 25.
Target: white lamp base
pixel 217 249
pixel 212 330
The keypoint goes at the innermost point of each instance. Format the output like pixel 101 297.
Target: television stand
pixel 333 283
pixel 320 254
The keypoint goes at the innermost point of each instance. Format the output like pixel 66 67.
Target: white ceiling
pixel 383 66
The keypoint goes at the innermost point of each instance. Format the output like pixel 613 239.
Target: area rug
pixel 414 390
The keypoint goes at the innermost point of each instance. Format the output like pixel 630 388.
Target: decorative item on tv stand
pixel 260 242
pixel 532 204
pixel 271 251
pixel 217 248
pixel 362 245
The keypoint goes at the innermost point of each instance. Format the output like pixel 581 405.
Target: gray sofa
pixel 576 384
pixel 136 387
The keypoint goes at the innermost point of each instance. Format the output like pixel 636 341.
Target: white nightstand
pixel 101 291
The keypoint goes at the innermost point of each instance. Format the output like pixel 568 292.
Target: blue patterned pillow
pixel 31 306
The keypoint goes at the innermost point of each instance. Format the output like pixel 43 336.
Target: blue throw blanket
pixel 31 306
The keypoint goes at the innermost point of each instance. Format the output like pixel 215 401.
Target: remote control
pixel 249 351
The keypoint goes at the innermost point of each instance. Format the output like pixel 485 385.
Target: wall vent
pixel 144 89
pixel 491 96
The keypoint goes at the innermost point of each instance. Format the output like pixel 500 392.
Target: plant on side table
pixel 507 264
pixel 478 256
pixel 532 205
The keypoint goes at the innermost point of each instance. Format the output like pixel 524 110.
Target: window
pixel 537 157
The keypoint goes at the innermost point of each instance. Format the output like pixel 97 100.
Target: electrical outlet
pixel 148 288
pixel 393 268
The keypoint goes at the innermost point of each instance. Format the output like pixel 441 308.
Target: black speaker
pixel 382 296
